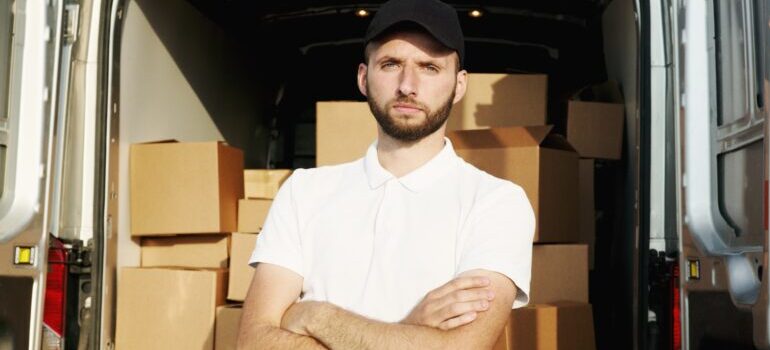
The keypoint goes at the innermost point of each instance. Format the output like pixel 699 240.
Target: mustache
pixel 409 101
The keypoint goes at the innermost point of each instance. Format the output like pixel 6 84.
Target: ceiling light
pixel 362 13
pixel 475 13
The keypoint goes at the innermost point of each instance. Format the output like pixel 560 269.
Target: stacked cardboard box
pixel 228 322
pixel 595 118
pixel 184 188
pixel 183 207
pixel 564 325
pixel 261 186
pixel 344 129
pixel 543 164
pixel 263 183
pixel 197 213
pixel 240 252
pixel 189 251
pixel 501 100
pixel 164 308
pixel 501 127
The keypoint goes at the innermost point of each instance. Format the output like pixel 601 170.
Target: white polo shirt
pixel 375 244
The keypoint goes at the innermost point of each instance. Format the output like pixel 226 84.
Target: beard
pixel 396 125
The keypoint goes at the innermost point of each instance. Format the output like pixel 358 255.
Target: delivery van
pixel 678 212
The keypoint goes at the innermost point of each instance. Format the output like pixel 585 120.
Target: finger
pixel 458 309
pixel 464 295
pixel 458 321
pixel 464 282
pixel 461 296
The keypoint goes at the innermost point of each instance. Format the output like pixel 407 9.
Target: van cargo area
pixel 250 73
pixel 143 144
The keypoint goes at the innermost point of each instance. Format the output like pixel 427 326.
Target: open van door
pixel 724 168
pixel 30 43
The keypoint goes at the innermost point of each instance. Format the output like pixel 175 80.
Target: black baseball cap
pixel 436 17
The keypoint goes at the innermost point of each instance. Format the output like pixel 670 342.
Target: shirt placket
pixel 381 221
pixel 376 248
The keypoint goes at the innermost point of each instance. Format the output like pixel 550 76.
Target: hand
pixel 452 305
pixel 299 315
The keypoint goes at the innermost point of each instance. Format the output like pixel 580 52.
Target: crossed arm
pixel 272 320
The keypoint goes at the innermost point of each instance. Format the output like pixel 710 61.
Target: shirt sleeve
pixel 500 238
pixel 279 241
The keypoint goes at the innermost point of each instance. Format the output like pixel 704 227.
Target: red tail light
pixel 676 320
pixel 765 207
pixel 56 288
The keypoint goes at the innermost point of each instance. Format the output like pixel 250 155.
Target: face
pixel 411 82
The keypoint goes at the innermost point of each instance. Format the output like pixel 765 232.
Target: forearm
pixel 274 338
pixel 338 329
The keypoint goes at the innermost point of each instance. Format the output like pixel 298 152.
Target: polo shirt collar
pixel 418 179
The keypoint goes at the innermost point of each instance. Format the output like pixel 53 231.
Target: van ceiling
pixel 561 38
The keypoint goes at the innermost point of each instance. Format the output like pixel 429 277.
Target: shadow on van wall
pixel 217 71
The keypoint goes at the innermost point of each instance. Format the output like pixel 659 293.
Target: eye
pixel 389 65
pixel 431 68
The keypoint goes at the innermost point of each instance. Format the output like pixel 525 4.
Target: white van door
pixel 30 32
pixel 724 166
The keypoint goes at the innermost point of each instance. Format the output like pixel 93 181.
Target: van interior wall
pixel 613 280
pixel 181 78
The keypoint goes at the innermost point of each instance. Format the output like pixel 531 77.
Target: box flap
pixel 516 136
pixel 157 141
pixel 153 142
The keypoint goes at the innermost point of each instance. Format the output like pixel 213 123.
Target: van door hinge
pixel 71 22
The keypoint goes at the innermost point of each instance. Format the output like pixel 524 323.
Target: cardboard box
pixel 595 129
pixel 559 273
pixel 587 208
pixel 168 308
pixel 252 214
pixel 240 272
pixel 179 188
pixel 344 131
pixel 194 251
pixel 263 183
pixel 606 91
pixel 499 100
pixel 543 164
pixel 561 326
pixel 228 321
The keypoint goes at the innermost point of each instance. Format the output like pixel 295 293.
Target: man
pixel 409 247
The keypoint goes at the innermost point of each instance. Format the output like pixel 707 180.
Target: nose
pixel 409 81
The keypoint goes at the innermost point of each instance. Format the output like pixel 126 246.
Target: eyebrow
pixel 421 63
pixel 389 59
pixel 425 63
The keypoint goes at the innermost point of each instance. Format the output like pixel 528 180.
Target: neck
pixel 400 158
